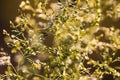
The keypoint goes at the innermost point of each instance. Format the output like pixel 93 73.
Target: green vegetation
pixel 64 41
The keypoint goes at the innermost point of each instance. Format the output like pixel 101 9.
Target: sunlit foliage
pixel 64 40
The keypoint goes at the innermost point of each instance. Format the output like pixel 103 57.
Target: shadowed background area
pixel 8 11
